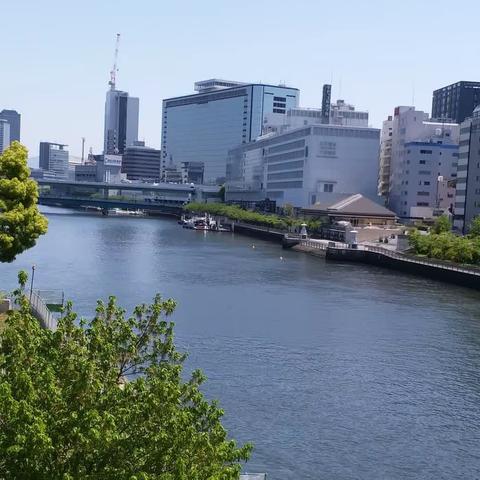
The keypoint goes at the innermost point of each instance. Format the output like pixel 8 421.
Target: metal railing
pixel 259 227
pixel 41 311
pixel 315 245
pixel 407 258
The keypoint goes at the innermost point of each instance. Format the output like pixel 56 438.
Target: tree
pixel 20 221
pixel 106 399
pixel 474 228
pixel 442 224
pixel 288 210
pixel 221 193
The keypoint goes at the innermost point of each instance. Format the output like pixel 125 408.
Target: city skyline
pixel 58 75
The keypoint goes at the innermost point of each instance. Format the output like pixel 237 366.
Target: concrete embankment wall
pixel 259 232
pixel 311 251
pixel 459 277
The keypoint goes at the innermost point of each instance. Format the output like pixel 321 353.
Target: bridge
pixel 162 198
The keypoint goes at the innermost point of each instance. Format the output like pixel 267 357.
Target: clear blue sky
pixel 56 55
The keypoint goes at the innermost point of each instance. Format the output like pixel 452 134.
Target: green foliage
pixel 442 224
pixel 288 209
pixel 446 246
pixel 240 215
pixel 221 193
pixel 474 228
pixel 22 278
pixel 20 221
pixel 105 399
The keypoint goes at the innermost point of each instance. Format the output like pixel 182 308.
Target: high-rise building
pixel 385 157
pixel 467 199
pixel 204 126
pixel 141 163
pixel 54 158
pixel 424 156
pixel 455 102
pixel 121 121
pixel 13 118
pixel 4 135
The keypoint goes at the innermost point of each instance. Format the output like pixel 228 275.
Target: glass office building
pixel 204 126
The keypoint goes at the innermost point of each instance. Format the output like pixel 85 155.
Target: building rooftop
pixel 215 84
pixel 350 204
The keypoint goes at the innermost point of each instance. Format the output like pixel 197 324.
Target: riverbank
pixel 313 331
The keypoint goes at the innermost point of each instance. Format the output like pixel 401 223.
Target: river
pixel 333 371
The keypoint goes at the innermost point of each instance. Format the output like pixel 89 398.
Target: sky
pixel 56 55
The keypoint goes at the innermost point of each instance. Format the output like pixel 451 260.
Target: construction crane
pixel 114 70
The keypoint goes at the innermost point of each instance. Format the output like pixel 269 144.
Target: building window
pixel 426 152
pixel 423 194
pixel 422 162
pixel 328 187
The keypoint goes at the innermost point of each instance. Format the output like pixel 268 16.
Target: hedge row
pixel 447 246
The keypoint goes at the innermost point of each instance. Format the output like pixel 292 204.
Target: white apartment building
pixel 424 154
pixel 301 165
pixel 385 157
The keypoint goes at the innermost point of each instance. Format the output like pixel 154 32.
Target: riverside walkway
pixel 464 275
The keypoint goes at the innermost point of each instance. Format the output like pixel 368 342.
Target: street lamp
pixel 31 283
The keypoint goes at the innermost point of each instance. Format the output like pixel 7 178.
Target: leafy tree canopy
pixel 474 228
pixel 442 224
pixel 20 221
pixel 105 399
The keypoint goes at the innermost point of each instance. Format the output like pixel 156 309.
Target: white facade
pixel 385 157
pixel 341 113
pixel 121 121
pixel 423 152
pixel 300 165
pixel 54 159
pixel 4 135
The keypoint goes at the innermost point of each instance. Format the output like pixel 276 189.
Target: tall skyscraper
pixel 204 126
pixel 13 118
pixel 54 158
pixel 4 135
pixel 456 102
pixel 121 121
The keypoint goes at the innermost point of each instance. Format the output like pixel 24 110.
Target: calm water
pixel 333 371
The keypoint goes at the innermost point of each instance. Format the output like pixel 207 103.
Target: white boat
pixel 126 213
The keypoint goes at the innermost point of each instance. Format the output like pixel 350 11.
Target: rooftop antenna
pixel 114 70
pixel 83 149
